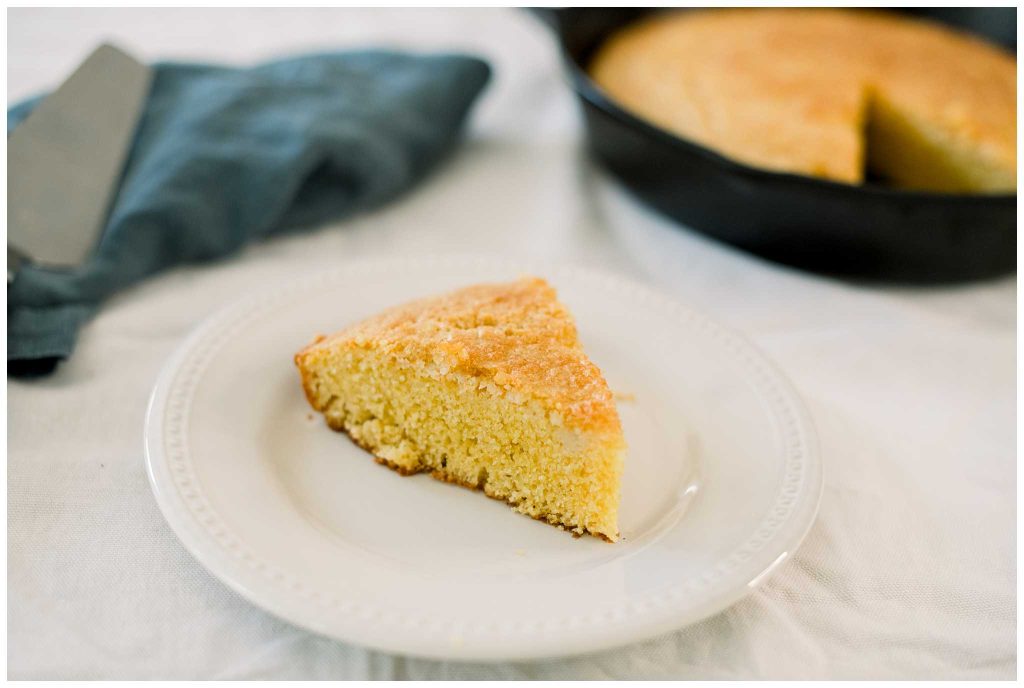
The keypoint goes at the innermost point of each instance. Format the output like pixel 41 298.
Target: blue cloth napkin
pixel 226 156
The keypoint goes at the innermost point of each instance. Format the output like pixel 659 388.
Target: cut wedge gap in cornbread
pixel 911 153
pixel 487 387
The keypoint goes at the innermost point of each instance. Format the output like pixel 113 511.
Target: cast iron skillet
pixel 866 231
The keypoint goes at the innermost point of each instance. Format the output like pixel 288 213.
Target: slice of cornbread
pixel 487 387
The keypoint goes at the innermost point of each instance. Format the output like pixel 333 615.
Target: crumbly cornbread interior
pixel 829 93
pixel 487 387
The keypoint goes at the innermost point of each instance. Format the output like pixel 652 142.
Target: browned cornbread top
pixel 787 89
pixel 516 336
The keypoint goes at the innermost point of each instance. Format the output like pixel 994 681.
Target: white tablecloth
pixel 908 572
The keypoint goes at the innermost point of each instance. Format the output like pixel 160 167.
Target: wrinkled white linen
pixel 909 571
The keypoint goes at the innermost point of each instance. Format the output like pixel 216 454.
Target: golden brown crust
pixel 514 335
pixel 786 89
pixel 446 477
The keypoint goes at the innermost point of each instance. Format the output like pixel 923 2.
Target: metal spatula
pixel 65 160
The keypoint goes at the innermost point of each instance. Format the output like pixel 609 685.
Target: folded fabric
pixel 225 156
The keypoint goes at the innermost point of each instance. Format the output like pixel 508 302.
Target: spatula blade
pixel 65 160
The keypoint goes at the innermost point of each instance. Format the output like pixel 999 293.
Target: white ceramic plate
pixel 722 479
